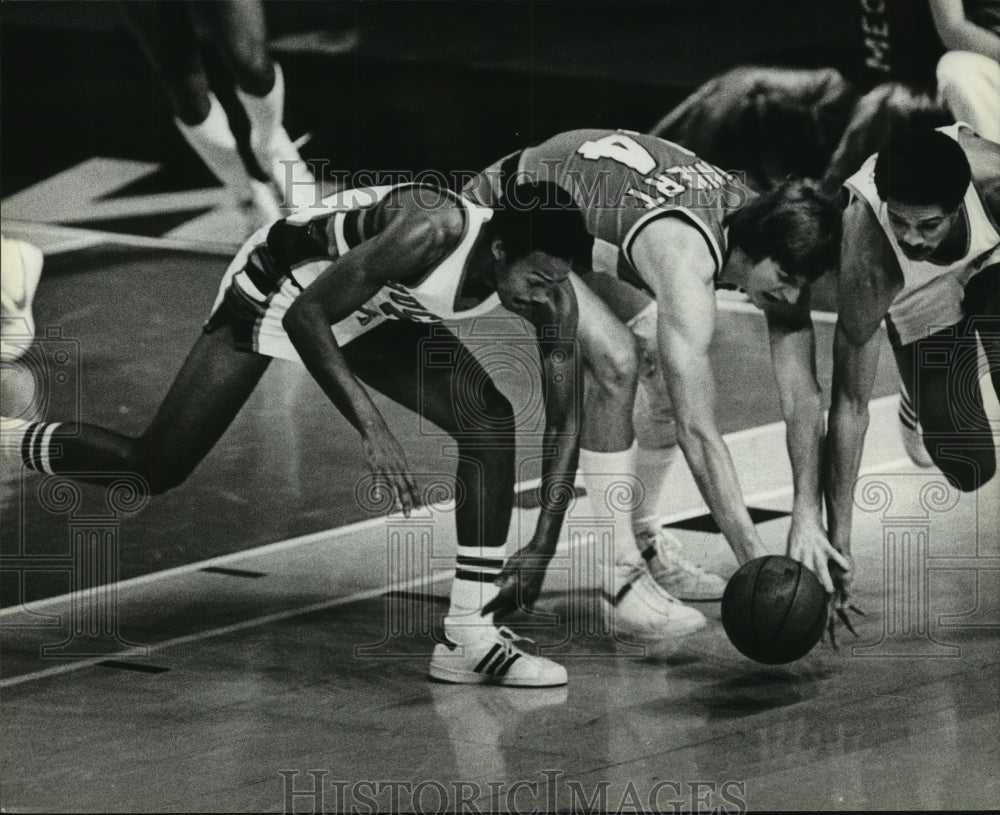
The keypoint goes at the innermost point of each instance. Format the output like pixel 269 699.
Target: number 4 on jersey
pixel 621 149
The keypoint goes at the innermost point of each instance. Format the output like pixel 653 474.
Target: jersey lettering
pixel 396 303
pixel 621 149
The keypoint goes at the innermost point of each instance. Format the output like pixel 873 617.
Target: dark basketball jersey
pixel 621 181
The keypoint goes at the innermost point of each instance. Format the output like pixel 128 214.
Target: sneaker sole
pixel 655 635
pixel 473 678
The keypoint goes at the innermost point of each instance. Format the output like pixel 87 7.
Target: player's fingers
pixel 823 573
pixel 831 629
pixel 846 621
pixel 839 559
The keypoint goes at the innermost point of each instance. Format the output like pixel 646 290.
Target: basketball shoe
pixel 489 655
pixel 675 573
pixel 912 433
pixel 640 609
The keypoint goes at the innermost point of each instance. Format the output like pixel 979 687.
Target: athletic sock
pixel 34 439
pixel 907 413
pixel 476 567
pixel 652 467
pixel 272 147
pixel 215 144
pixel 265 112
pixel 612 492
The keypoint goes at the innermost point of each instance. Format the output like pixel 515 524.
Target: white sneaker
pixel 913 441
pixel 492 659
pixel 673 572
pixel 640 609
pixel 281 161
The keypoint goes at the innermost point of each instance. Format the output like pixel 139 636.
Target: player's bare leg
pixel 948 399
pixel 392 360
pixel 657 448
pixel 633 603
pixel 167 37
pixel 213 384
pixel 240 32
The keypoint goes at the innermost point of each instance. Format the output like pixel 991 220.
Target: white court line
pixel 254 622
pixel 369 523
pixel 366 594
pixel 97 237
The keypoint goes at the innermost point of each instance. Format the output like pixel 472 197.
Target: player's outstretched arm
pixel 866 287
pixel 959 33
pixel 674 259
pixel 413 238
pixel 555 324
pixel 793 354
pixel 854 368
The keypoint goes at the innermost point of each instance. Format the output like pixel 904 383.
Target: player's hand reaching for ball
pixel 385 459
pixel 808 544
pixel 520 581
pixel 841 604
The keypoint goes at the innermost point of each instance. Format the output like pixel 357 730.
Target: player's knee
pixel 163 470
pixel 491 415
pixel 970 471
pixel 616 369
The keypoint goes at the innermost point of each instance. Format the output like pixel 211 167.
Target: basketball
pixel 774 610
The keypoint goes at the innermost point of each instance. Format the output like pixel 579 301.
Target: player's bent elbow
pixel 299 315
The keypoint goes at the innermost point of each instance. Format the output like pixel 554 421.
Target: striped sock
pixel 36 446
pixel 476 567
pixel 907 413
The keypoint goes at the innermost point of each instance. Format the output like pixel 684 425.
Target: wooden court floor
pixel 265 648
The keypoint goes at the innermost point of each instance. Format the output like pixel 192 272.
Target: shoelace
pixel 508 639
pixel 672 558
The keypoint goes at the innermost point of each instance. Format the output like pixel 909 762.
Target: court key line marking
pixel 368 523
pixel 358 596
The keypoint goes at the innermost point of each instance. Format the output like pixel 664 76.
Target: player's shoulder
pixel 437 214
pixel 984 161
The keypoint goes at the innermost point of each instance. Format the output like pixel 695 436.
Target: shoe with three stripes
pixel 912 433
pixel 491 656
pixel 642 610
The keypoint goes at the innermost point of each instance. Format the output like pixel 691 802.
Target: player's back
pixel 621 180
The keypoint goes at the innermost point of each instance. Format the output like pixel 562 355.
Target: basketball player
pixel 670 224
pixel 920 249
pixel 168 33
pixel 383 267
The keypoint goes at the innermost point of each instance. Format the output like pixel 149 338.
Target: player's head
pixel 922 176
pixel 782 241
pixel 537 237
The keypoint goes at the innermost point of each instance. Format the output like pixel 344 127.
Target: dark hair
pixel 541 217
pixel 922 167
pixel 795 223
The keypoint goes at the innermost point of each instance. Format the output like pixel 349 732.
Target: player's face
pixel 918 228
pixel 767 284
pixel 529 280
